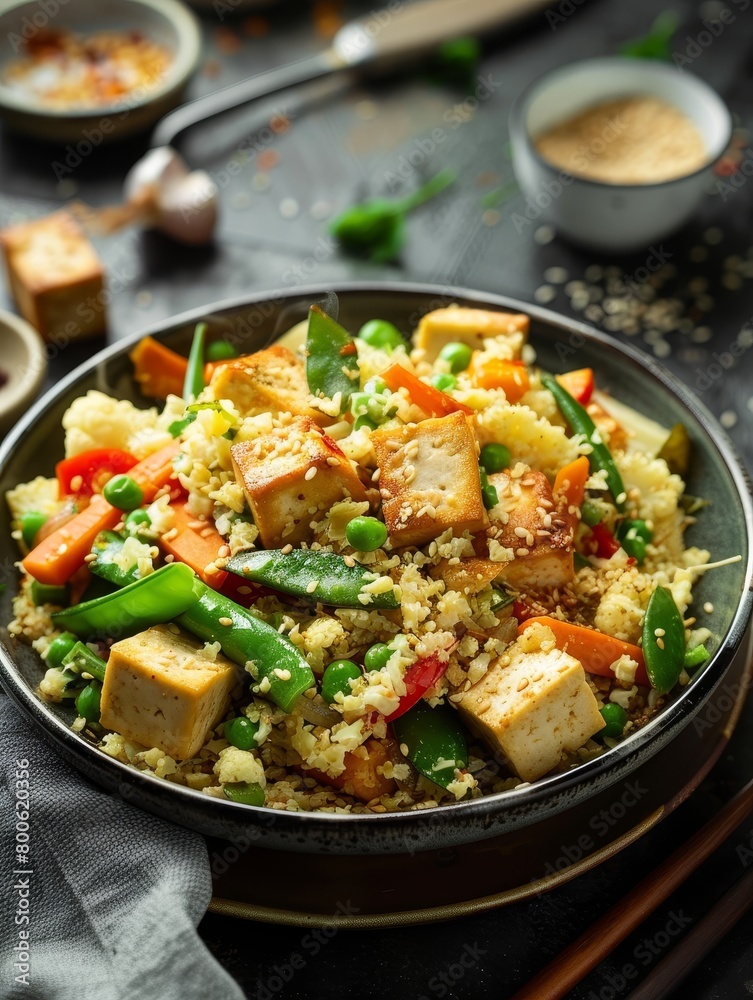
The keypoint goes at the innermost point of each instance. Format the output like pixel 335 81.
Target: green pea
pixel 123 492
pixel 444 382
pixel 457 355
pixel 244 792
pixel 220 350
pixel 591 514
pixel 241 732
pixel 337 678
pixel 59 648
pixel 489 493
pixel 87 702
pixel 380 333
pixel 377 655
pixel 615 717
pixel 495 458
pixel 31 522
pixel 366 533
pixel 137 521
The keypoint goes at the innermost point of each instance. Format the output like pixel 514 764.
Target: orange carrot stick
pixel 437 403
pixel 197 544
pixel 570 481
pixel 158 370
pixel 61 553
pixel 595 650
pixel 496 373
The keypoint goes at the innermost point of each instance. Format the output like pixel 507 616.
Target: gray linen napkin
pixel 112 895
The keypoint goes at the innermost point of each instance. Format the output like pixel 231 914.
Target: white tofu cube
pixel 158 691
pixel 429 479
pixel 291 477
pixel 471 327
pixel 532 705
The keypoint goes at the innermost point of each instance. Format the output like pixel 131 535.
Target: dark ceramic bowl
pixel 511 818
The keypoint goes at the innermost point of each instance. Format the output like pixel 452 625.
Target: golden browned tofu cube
pixel 533 705
pixel 471 327
pixel 161 692
pixel 269 381
pixel 469 576
pixel 429 479
pixel 291 478
pixel 527 522
pixel 55 276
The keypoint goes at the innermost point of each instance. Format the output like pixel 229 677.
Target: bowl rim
pixel 617 760
pixel 520 134
pixel 183 64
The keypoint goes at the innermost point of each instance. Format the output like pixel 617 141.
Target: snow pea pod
pixel 331 358
pixel 663 640
pixel 312 576
pixel 156 598
pixel 600 458
pixel 435 741
pixel 194 380
pixel 107 547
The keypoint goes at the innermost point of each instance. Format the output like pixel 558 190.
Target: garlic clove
pixel 188 209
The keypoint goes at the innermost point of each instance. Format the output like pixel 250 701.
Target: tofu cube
pixel 471 327
pixel 269 381
pixel 528 523
pixel 158 691
pixel 291 477
pixel 429 479
pixel 55 277
pixel 532 705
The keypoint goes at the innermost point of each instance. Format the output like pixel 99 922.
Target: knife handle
pixel 401 29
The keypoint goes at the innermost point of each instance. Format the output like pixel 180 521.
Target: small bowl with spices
pixel 94 72
pixel 23 366
pixel 616 152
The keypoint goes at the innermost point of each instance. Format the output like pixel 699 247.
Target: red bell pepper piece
pixel 87 473
pixel 605 543
pixel 579 383
pixel 419 677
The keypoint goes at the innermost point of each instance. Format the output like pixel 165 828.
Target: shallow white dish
pixel 168 22
pixel 612 217
pixel 23 365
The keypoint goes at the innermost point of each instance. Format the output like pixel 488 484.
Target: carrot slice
pixel 570 481
pixel 360 773
pixel 437 403
pixel 197 544
pixel 158 370
pixel 56 559
pixel 61 553
pixel 496 373
pixel 595 650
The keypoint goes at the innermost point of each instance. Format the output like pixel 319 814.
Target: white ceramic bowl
pixel 612 217
pixel 23 364
pixel 168 22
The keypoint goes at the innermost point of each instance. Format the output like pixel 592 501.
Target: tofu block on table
pixel 55 276
pixel 471 327
pixel 532 705
pixel 291 477
pixel 160 692
pixel 269 381
pixel 527 521
pixel 429 479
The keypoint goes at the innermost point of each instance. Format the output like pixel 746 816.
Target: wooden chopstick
pixel 566 970
pixel 667 975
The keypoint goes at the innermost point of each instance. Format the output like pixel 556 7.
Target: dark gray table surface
pixel 344 143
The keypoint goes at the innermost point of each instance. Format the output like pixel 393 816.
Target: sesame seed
pixel 76 483
pixel 225 621
pixel 728 419
pixel 544 235
pixel 169 558
pixel 349 561
pixel 522 684
pixel 660 643
pixel 708 607
pixel 90 558
pixel 311 586
pixel 286 548
pixel 659 631
pixel 331 460
pixel 544 294
pixel 224 551
pixel 310 473
pixel 555 275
